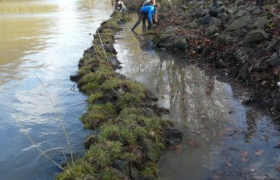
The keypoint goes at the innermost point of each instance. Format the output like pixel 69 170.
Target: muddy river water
pixel 44 39
pixel 222 138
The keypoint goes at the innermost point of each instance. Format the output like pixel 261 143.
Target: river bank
pixel 238 39
pixel 223 139
pixel 129 134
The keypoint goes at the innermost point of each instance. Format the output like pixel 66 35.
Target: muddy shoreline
pixel 129 134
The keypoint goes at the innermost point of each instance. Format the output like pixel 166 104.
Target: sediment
pixel 239 39
pixel 129 134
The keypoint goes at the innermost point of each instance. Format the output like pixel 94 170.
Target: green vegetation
pixel 117 111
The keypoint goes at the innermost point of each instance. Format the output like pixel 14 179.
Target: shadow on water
pixel 222 138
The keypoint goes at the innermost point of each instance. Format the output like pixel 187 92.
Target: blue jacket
pixel 150 10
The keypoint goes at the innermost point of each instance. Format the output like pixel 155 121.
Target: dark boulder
pixel 172 136
pixel 274 60
pixel 151 95
pixel 75 78
pixel 204 20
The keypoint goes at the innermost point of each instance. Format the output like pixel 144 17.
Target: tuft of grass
pixel 104 153
pixel 79 170
pixel 95 96
pixel 98 114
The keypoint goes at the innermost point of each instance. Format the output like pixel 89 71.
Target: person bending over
pixel 120 7
pixel 147 12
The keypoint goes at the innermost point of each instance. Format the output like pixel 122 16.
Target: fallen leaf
pixel 176 147
pixel 221 133
pixel 258 152
pixel 244 154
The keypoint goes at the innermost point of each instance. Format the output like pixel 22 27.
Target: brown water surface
pixel 44 38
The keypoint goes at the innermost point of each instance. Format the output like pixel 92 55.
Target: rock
pixel 172 136
pixel 250 8
pixel 151 149
pixel 239 2
pixel 224 17
pixel 256 36
pixel 120 76
pixel 192 24
pixel 259 53
pixel 241 55
pixel 94 68
pixel 240 23
pixel 166 43
pixel 239 33
pixel 109 48
pixel 240 14
pixel 151 95
pixel 122 166
pixel 214 21
pixel 75 78
pixel 198 49
pixel 243 74
pixel 274 60
pixel 232 9
pixel 170 29
pixel 270 7
pixel 260 22
pixel 114 62
pixel 148 112
pixel 180 42
pixel 211 30
pixel 257 11
pixel 90 140
pixel 213 12
pixel 226 39
pixel 204 20
pixel 277 103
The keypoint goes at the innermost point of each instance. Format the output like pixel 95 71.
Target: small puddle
pixel 222 138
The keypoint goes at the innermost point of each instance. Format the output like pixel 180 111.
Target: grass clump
pixel 104 153
pixel 124 130
pixel 98 114
pixel 80 170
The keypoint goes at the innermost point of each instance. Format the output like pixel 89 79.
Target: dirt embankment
pixel 238 38
pixel 128 131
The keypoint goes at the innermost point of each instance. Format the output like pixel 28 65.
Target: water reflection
pixel 45 39
pixel 223 139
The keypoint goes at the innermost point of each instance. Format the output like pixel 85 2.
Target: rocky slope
pixel 238 38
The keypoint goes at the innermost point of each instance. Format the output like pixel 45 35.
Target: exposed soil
pixel 217 37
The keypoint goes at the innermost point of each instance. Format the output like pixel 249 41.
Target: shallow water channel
pixel 44 39
pixel 222 138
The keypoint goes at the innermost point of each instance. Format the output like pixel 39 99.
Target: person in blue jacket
pixel 147 12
